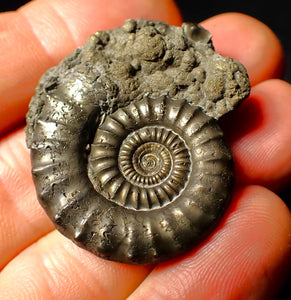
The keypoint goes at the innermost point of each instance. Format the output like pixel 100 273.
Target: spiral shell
pixel 122 167
pixel 143 154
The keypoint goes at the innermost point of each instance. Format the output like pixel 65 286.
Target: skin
pixel 246 257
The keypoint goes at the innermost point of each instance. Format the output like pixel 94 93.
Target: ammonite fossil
pixel 127 156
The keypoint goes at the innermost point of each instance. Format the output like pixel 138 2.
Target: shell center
pixel 151 159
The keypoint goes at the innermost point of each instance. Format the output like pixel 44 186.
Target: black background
pixel 276 14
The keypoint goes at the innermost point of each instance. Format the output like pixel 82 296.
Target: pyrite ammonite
pixel 127 156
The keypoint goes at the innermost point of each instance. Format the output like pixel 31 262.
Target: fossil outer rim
pixel 73 100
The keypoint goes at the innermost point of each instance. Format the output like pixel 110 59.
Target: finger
pixel 260 136
pixel 55 268
pixel 245 258
pixel 41 33
pixel 249 41
pixel 22 220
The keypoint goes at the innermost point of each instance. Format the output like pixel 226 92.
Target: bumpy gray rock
pixel 146 57
pixel 127 156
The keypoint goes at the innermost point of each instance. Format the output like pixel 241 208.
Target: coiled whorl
pixel 127 156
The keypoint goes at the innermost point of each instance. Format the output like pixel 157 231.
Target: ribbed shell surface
pixel 148 222
pixel 136 180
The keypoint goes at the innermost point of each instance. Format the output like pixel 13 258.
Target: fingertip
pixel 264 236
pixel 55 268
pixel 245 257
pixel 254 204
pixel 260 137
pixel 249 41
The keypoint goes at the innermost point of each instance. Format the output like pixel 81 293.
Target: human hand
pixel 248 254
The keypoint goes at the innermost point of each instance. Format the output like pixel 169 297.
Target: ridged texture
pixel 124 162
pixel 136 161
pixel 121 216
